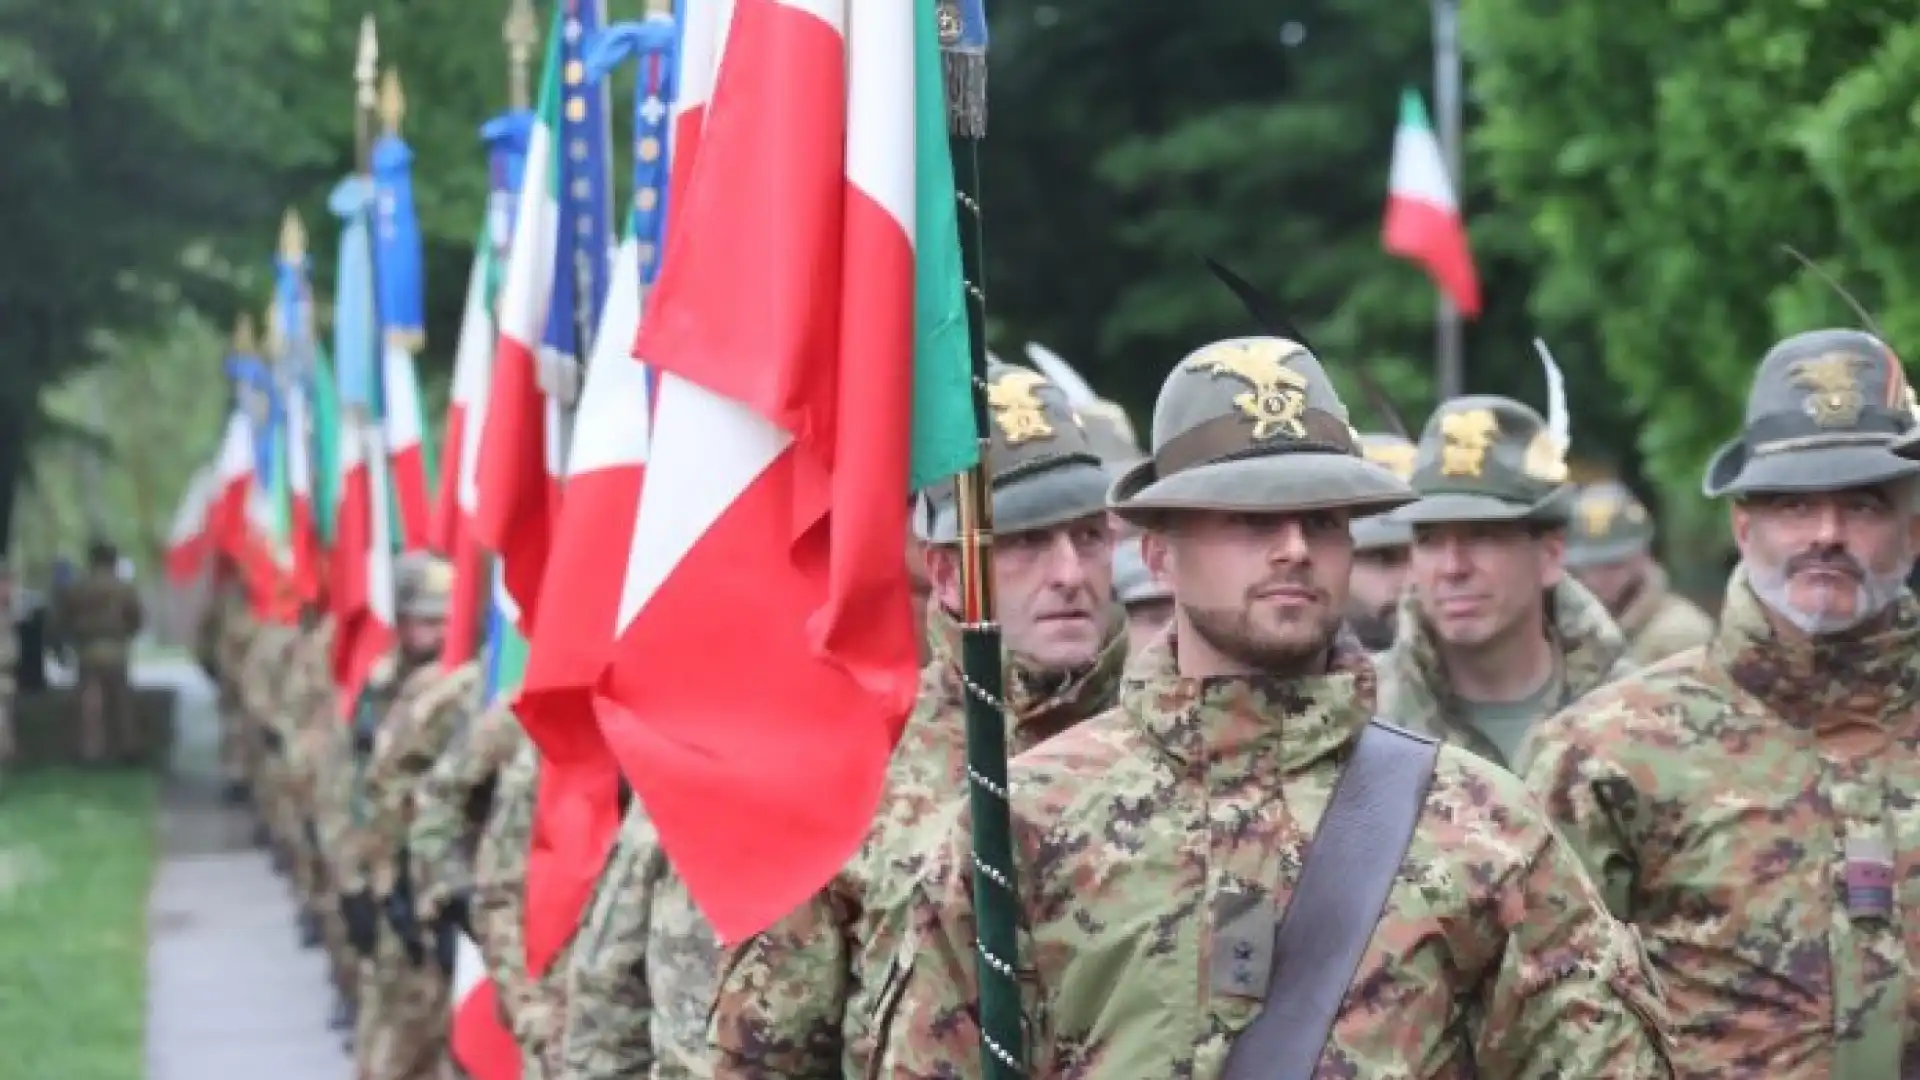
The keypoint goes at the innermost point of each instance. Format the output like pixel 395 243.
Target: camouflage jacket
pixel 499 895
pixel 1149 835
pixel 347 810
pixel 233 629
pixel 1659 622
pixel 642 980
pixel 1716 795
pixel 263 675
pixel 1415 692
pixel 797 1000
pixel 448 814
pixel 310 703
pixel 429 707
pixel 98 616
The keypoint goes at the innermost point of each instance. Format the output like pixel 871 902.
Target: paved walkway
pixel 230 993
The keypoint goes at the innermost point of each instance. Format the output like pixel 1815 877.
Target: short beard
pixel 1230 633
pixel 1877 593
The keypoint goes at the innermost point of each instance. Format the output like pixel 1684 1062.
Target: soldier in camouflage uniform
pixel 1610 549
pixel 98 617
pixel 1492 635
pixel 797 999
pixel 262 680
pixel 403 996
pixel 1749 805
pixel 471 835
pixel 1158 843
pixel 315 727
pixel 643 972
pixel 225 604
pixel 1148 603
pixel 1380 550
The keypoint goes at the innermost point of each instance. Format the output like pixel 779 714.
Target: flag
pixel 187 538
pixel 1423 217
pixel 404 429
pixel 363 547
pixel 472 364
pixel 559 249
pixel 780 462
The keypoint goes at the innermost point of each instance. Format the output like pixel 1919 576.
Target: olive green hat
pixel 422 585
pixel 1252 424
pixel 1044 471
pixel 1609 525
pixel 1485 458
pixel 1380 532
pixel 1824 412
pixel 1133 583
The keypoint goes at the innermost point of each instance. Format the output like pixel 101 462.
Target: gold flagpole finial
pixel 293 236
pixel 393 102
pixel 521 32
pixel 366 62
pixel 245 341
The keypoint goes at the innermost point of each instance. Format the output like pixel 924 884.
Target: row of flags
pixel 692 578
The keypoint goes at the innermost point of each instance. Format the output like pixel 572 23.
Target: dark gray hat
pixel 1252 424
pixel 1824 413
pixel 1485 458
pixel 1609 525
pixel 1133 583
pixel 1044 471
pixel 1380 532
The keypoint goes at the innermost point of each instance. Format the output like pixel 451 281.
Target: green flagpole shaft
pixel 995 887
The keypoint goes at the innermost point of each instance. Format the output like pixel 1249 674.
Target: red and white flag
pixel 188 540
pixel 406 448
pixel 578 814
pixel 778 467
pixel 362 558
pixel 1423 215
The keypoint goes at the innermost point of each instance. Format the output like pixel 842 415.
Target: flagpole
pixel 1450 374
pixel 963 45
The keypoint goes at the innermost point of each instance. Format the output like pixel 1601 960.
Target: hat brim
pixel 1273 483
pixel 1582 555
pixel 1449 508
pixel 1379 533
pixel 1040 500
pixel 1735 471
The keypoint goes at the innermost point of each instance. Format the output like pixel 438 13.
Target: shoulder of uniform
pixel 1651 701
pixel 447 688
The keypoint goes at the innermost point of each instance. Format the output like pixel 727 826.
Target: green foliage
pixel 77 853
pixel 1130 140
pixel 1661 161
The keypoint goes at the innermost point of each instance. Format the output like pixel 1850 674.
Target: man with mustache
pixel 1610 550
pixel 1159 844
pixel 796 999
pixel 1492 635
pixel 1380 552
pixel 1749 806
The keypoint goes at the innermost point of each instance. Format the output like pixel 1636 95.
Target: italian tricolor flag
pixel 520 468
pixel 1423 216
pixel 788 414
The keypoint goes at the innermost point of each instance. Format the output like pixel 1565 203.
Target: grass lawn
pixel 77 853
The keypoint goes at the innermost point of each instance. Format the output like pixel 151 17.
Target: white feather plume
pixel 1559 423
pixel 1079 394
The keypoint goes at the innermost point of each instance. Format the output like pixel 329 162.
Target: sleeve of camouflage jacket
pixel 609 1001
pixel 782 1000
pixel 499 888
pixel 437 836
pixel 333 784
pixel 1589 798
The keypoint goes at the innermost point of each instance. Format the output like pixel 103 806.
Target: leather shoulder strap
pixel 1348 870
